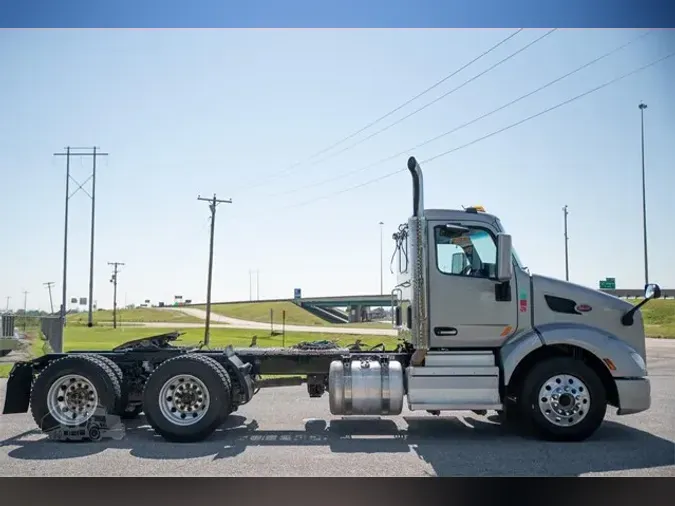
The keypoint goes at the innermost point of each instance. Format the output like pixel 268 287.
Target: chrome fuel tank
pixel 366 386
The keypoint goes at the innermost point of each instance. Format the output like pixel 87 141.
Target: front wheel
pixel 562 399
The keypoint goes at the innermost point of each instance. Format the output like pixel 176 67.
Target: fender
pixel 19 384
pixel 600 343
pixel 516 349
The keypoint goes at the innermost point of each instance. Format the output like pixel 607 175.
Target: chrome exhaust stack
pixel 418 187
pixel 420 323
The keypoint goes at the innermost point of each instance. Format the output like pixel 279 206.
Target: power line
pixel 343 175
pixel 396 109
pixel 420 109
pixel 70 152
pixel 496 132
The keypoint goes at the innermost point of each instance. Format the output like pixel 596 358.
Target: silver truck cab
pixel 488 334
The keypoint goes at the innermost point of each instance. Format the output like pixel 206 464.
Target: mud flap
pixel 19 384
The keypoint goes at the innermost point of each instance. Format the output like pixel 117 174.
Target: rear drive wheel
pixel 68 392
pixel 119 411
pixel 563 399
pixel 187 398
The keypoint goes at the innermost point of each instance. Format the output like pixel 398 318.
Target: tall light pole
pixel 567 263
pixel 642 108
pixel 381 262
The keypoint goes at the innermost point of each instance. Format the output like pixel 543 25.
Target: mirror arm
pixel 628 318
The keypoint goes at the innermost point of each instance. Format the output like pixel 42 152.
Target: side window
pixel 468 252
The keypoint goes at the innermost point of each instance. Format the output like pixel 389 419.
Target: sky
pixel 184 113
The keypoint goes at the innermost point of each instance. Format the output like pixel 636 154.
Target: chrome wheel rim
pixel 184 400
pixel 72 400
pixel 564 400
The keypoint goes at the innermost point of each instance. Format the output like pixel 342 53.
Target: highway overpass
pixel 357 306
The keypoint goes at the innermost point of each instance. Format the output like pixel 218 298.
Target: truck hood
pixel 602 311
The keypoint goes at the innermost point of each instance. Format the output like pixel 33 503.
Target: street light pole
pixel 567 263
pixel 381 263
pixel 642 108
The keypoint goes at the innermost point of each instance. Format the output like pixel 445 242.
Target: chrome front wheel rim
pixel 564 400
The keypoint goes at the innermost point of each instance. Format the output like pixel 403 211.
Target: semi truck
pixel 476 332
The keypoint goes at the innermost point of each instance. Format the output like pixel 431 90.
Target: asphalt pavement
pixel 285 433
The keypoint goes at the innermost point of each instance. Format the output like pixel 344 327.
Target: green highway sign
pixel 608 284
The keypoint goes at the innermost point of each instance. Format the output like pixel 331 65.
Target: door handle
pixel 445 331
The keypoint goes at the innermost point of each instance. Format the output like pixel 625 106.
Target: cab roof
pixel 471 213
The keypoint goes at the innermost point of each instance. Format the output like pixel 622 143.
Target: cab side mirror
pixel 652 291
pixel 504 258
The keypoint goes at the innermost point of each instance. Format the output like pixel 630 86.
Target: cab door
pixel 468 306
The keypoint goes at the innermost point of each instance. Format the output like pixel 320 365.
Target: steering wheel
pixel 466 271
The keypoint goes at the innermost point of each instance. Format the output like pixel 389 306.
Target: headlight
pixel 639 361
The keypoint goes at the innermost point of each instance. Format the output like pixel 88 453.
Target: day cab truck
pixel 477 332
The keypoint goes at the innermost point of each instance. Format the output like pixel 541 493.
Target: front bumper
pixel 634 395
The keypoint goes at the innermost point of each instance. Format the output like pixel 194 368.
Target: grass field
pixel 136 315
pixel 295 315
pixel 36 349
pixel 106 338
pixel 659 318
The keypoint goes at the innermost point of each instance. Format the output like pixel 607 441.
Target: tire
pixel 120 409
pixel 509 416
pixel 92 375
pixel 205 401
pixel 538 397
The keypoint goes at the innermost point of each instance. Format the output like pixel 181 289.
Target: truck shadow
pixel 466 446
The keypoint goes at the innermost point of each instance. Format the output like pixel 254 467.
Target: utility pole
pixel 567 264
pixel 381 263
pixel 8 299
pixel 69 153
pixel 113 280
pixel 257 285
pixel 642 108
pixel 250 285
pixel 25 313
pixel 213 204
pixel 49 285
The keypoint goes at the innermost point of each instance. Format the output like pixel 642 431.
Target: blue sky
pixel 184 113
